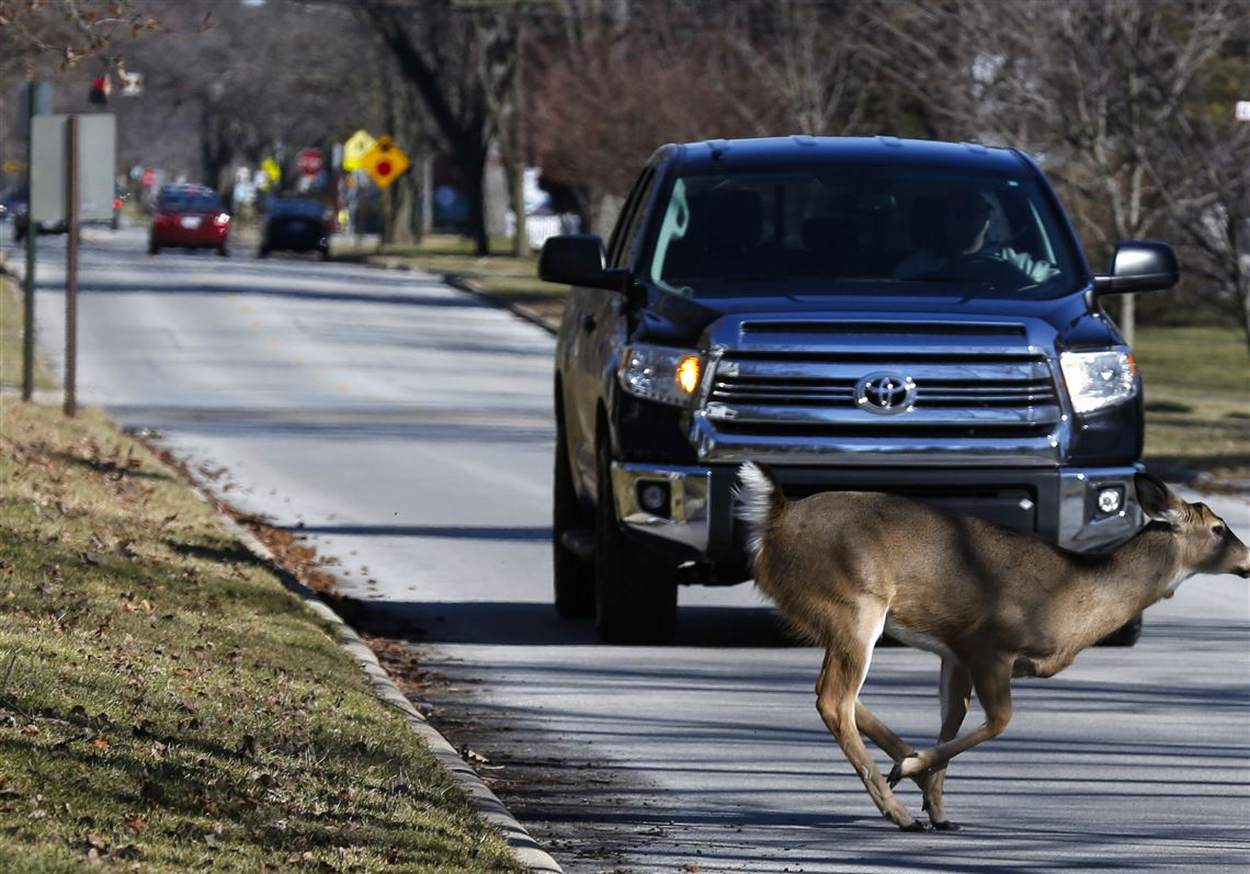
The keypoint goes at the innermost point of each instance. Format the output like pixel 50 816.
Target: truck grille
pixel 949 393
pixel 825 389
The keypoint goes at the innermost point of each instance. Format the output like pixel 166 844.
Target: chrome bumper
pixel 690 511
pixel 1081 527
pixel 1075 520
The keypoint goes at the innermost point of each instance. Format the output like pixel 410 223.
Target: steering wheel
pixel 983 268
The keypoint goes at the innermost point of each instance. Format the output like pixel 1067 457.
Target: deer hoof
pixel 902 769
pixel 914 826
pixel 896 774
pixel 945 825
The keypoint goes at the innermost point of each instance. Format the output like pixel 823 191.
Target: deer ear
pixel 1157 501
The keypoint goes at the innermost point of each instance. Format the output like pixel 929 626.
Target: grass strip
pixel 167 705
pixel 1197 384
pixel 12 313
pixel 500 273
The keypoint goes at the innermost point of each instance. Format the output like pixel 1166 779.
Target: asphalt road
pixel 407 427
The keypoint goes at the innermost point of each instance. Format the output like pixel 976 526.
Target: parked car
pixel 189 217
pixel 864 314
pixel 296 225
pixel 17 205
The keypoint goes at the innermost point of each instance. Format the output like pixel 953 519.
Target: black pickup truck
pixel 873 314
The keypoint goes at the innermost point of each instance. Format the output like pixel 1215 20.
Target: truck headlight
pixel 660 373
pixel 1099 379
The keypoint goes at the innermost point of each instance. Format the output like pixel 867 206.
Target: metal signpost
pixel 72 165
pixel 38 102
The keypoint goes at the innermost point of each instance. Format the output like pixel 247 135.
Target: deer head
pixel 1203 542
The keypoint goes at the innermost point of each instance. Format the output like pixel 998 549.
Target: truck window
pixel 861 229
pixel 631 217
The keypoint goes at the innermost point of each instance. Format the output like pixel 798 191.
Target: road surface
pixel 407 428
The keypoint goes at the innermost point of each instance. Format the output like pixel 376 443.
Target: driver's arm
pixel 1038 271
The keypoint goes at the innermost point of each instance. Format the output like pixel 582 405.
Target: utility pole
pixel 71 264
pixel 32 231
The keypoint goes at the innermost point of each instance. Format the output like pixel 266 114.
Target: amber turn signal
pixel 688 374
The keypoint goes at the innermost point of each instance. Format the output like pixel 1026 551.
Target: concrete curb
pixel 463 283
pixel 524 847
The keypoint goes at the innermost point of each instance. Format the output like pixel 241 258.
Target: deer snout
pixel 1241 559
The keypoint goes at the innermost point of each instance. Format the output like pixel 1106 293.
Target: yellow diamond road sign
pixel 356 147
pixel 385 162
pixel 272 173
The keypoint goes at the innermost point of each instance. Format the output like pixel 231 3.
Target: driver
pixel 964 225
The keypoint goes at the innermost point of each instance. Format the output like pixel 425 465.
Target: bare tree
pixel 459 63
pixel 1099 90
pixel 602 107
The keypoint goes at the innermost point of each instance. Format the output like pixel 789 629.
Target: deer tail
pixel 758 504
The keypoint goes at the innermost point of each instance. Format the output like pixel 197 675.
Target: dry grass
pixel 166 704
pixel 12 312
pixel 499 274
pixel 1197 400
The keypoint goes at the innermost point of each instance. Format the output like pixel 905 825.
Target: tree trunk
pixel 473 163
pixel 1243 274
pixel 1128 318
pixel 516 149
pixel 427 194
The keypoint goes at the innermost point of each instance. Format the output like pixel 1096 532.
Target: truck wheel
pixel 573 573
pixel 635 594
pixel 1126 635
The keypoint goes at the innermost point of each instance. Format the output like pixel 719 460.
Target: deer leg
pixel 840 678
pixel 992 681
pixel 871 727
pixel 954 692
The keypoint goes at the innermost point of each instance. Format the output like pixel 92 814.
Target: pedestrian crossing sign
pixel 356 147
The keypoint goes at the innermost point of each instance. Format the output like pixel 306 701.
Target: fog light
pixel 1110 500
pixel 653 497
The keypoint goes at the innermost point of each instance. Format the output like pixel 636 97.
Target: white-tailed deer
pixel 843 566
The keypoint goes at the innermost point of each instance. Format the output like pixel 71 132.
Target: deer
pixel 993 604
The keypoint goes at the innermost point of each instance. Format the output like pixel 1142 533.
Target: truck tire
pixel 635 593
pixel 573 574
pixel 1126 635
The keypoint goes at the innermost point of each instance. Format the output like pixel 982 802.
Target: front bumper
pixel 1060 506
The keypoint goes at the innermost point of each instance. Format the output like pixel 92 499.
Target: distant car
pixel 189 217
pixel 295 225
pixel 18 207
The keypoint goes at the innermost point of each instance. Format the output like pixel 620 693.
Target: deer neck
pixel 1110 592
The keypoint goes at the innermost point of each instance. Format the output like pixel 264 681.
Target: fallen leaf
pixel 100 743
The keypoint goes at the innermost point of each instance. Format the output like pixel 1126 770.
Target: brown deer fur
pixel 994 604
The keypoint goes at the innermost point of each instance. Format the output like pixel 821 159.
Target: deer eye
pixel 1218 530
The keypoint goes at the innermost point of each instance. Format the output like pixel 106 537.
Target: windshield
pixel 189 202
pixel 818 230
pixel 301 208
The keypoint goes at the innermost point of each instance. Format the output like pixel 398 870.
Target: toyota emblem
pixel 885 393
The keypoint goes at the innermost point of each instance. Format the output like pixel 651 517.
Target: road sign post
pixel 71 265
pixel 32 232
pixel 72 166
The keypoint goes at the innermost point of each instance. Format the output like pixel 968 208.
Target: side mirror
pixel 1139 265
pixel 576 259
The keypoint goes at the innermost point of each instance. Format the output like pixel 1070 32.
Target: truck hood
pixel 1062 323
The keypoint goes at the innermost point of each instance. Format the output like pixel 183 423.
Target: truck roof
pixel 764 152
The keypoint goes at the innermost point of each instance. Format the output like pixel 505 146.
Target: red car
pixel 190 217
